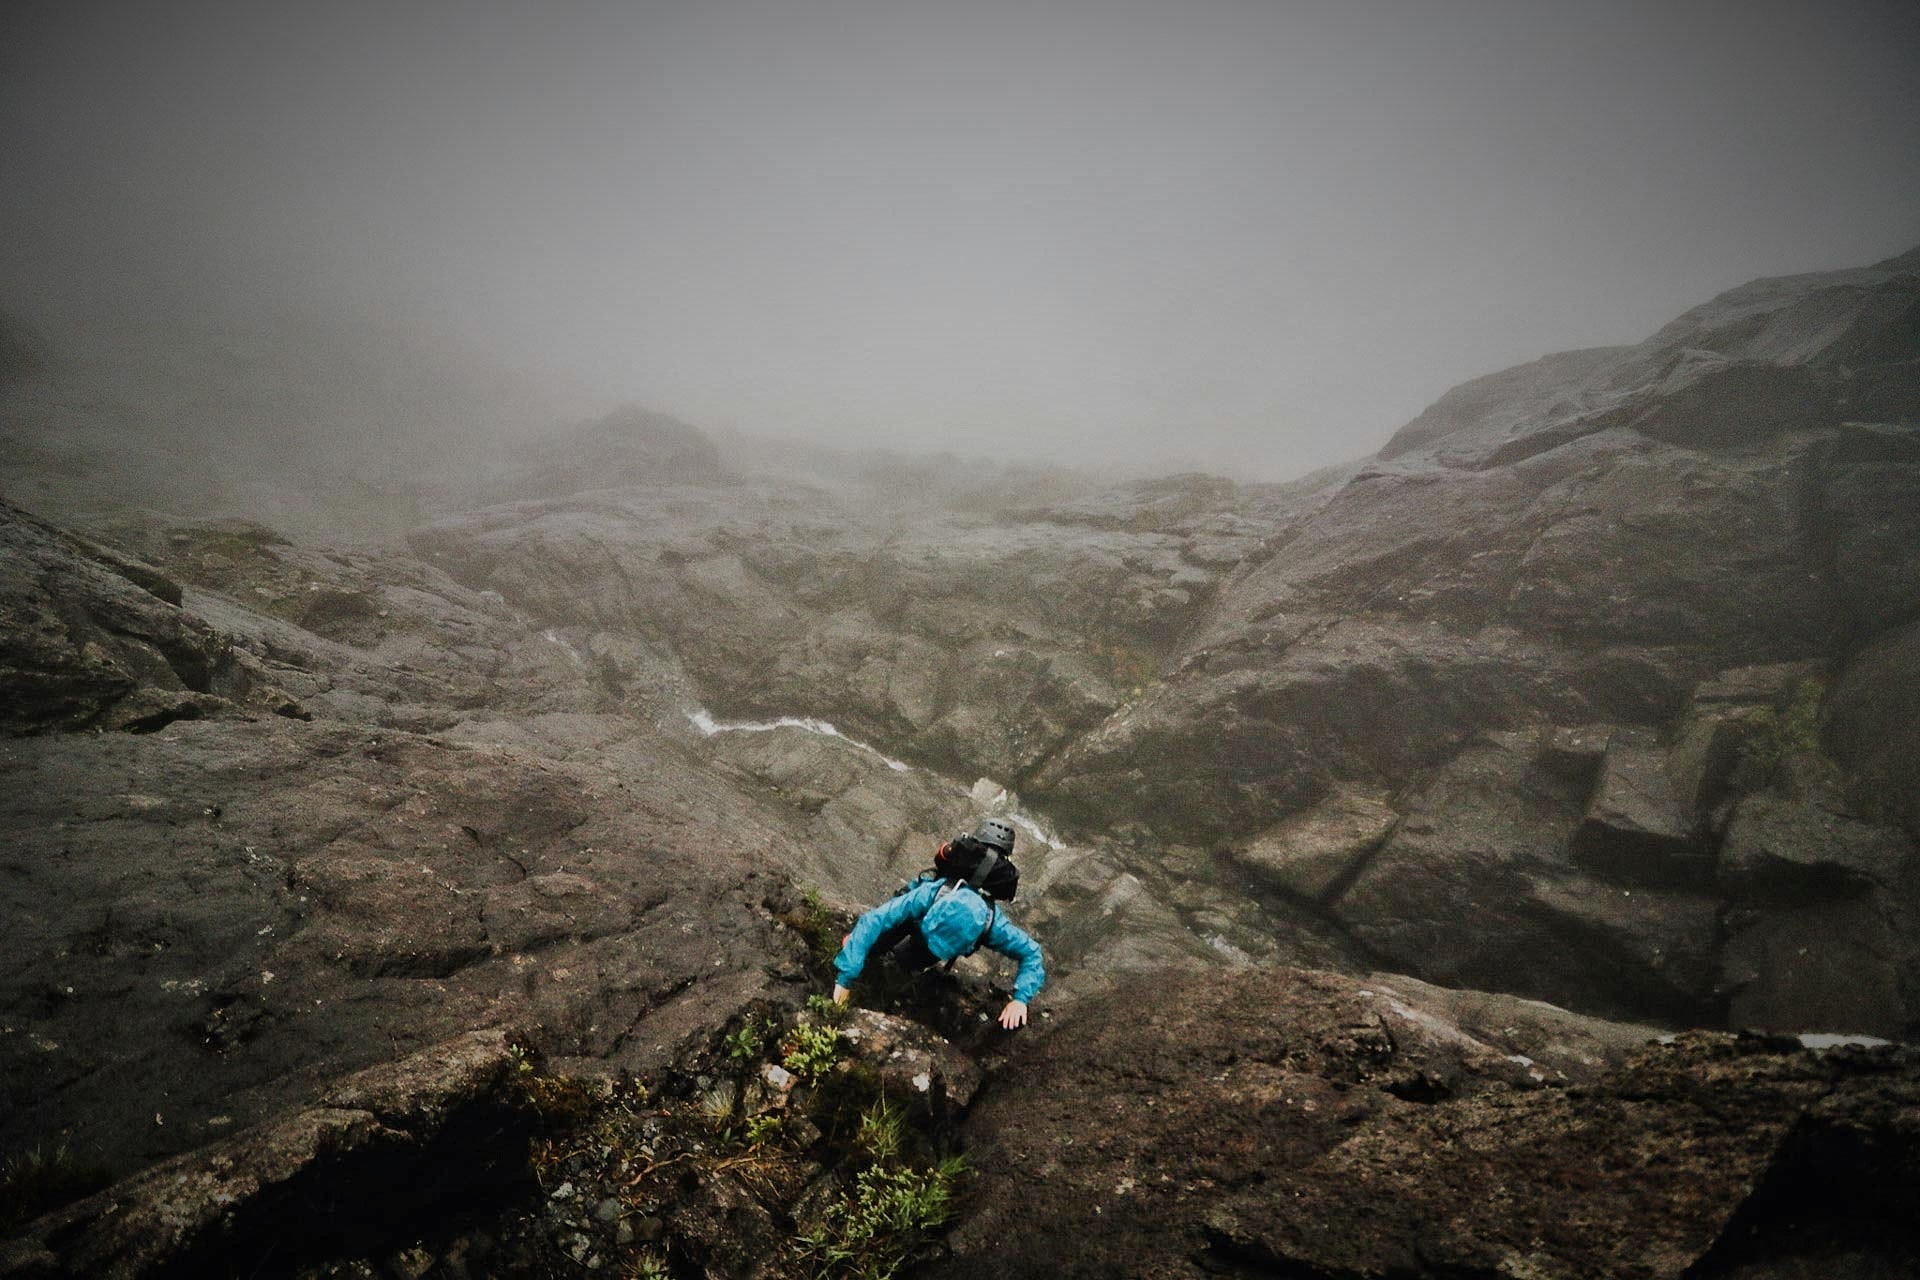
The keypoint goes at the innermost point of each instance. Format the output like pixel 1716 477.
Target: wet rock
pixel 1708 753
pixel 1873 725
pixel 94 639
pixel 1575 752
pixel 1476 886
pixel 1443 897
pixel 354 895
pixel 1844 965
pixel 724 1227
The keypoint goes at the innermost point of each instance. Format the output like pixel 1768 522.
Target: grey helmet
pixel 996 834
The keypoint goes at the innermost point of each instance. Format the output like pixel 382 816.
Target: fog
pixel 1249 237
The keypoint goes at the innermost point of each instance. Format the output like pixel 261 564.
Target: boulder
pixel 913 1065
pixel 1312 854
pixel 1575 752
pixel 1476 887
pixel 91 638
pixel 1866 512
pixel 1638 829
pixel 1787 850
pixel 1444 897
pixel 1829 965
pixel 630 446
pixel 1873 725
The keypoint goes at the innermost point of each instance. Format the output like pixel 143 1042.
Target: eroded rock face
pixel 1874 724
pixel 1295 1123
pixel 95 639
pixel 1594 687
pixel 209 918
pixel 1581 539
pixel 251 906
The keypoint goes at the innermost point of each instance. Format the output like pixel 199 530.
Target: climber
pixel 951 912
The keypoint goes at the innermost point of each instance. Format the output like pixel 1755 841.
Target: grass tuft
pixel 40 1179
pixel 891 1211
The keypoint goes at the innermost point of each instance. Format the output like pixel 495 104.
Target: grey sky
pixel 1249 236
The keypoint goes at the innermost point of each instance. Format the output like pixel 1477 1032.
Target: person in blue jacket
pixel 949 913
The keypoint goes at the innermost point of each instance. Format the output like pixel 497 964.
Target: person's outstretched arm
pixel 853 952
pixel 1009 939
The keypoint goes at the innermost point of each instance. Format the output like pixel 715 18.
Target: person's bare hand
pixel 840 994
pixel 1014 1015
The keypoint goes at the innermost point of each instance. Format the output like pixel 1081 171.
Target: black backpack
pixel 980 865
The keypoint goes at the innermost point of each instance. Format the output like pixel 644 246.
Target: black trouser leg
pixel 906 947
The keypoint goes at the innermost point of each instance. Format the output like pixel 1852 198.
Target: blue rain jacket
pixel 951 920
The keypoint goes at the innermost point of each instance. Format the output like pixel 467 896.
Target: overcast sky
pixel 1255 237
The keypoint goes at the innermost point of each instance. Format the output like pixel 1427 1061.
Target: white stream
pixel 703 721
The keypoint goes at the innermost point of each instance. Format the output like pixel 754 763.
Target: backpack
pixel 957 922
pixel 979 865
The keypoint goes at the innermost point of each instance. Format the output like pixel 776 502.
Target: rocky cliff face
pixel 1595 686
pixel 299 849
pixel 1505 705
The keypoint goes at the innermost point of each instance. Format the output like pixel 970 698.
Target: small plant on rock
pixel 823 1009
pixel 560 1101
pixel 881 1133
pixel 879 1226
pixel 811 1051
pixel 1781 735
pixel 745 1044
pixel 816 923
pixel 761 1129
pixel 717 1106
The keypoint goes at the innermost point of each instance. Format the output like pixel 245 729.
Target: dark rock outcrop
pixel 208 918
pixel 1581 539
pixel 1595 686
pixel 96 639
pixel 433 1133
pixel 1290 1123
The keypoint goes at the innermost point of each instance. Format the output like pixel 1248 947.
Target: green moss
pixel 1781 734
pixel 761 1130
pixel 561 1102
pixel 825 1009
